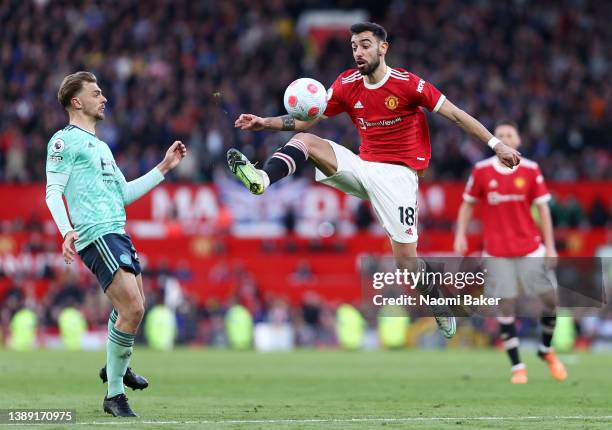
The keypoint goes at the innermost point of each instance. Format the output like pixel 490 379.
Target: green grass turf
pixel 244 390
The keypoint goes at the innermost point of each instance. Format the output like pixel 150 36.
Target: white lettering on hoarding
pixel 189 203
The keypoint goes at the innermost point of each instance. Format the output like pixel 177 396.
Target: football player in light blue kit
pixel 82 168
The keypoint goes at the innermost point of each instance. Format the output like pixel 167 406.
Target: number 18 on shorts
pixel 407 217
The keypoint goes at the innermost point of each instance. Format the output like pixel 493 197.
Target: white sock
pixel 264 176
pixel 544 349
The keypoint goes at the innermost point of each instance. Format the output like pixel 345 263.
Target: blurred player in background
pixel 384 104
pixel 511 237
pixel 82 168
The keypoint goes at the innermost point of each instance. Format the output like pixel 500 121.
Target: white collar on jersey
pixel 500 168
pixel 379 83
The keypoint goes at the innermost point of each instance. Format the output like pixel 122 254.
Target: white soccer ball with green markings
pixel 305 99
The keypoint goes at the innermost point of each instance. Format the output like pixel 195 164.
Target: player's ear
pixel 76 104
pixel 383 47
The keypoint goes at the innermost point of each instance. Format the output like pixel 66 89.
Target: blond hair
pixel 71 85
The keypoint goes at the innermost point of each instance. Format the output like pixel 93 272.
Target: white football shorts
pixel 391 188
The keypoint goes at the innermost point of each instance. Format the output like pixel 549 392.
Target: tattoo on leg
pixel 288 123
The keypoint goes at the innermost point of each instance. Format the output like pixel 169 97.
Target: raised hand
pixel 508 156
pixel 174 155
pixel 247 121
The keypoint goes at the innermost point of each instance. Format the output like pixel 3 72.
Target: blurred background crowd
pixel 310 321
pixel 179 69
pixel 186 70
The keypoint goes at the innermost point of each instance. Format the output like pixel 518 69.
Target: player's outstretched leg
pixel 283 162
pixel 545 351
pixel 131 379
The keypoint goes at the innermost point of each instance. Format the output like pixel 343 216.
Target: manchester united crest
pixel 519 182
pixel 391 102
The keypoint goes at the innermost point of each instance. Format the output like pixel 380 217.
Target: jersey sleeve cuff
pixel 439 104
pixel 157 174
pixel 468 198
pixel 542 199
pixel 65 232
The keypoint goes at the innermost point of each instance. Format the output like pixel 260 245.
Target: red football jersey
pixel 388 115
pixel 507 195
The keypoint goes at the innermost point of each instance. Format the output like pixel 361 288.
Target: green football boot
pixel 245 171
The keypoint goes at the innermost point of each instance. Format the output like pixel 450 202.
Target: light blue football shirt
pixel 95 188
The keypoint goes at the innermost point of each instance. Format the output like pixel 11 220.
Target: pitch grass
pixel 311 389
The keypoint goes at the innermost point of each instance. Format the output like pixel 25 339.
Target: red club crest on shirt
pixel 391 102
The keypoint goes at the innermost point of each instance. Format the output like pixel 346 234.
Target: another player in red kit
pixel 385 105
pixel 511 239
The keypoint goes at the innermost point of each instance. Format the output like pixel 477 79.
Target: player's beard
pixel 371 67
pixel 97 114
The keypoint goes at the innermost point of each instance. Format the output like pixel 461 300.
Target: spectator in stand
pixel 198 65
pixel 599 216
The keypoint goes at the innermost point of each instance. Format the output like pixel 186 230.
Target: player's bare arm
pixel 174 155
pixel 247 121
pixel 547 233
pixel 508 156
pixel 465 214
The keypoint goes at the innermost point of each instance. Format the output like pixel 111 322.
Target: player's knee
pixel 139 311
pixel 549 302
pixel 312 142
pixel 506 311
pixel 135 312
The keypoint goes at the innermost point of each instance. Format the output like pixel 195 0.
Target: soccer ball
pixel 305 99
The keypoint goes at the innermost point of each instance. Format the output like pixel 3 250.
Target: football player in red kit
pixel 511 239
pixel 385 104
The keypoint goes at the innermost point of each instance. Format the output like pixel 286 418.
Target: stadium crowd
pixel 187 69
pixel 313 321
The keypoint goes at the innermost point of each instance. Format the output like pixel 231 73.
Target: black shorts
pixel 105 255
